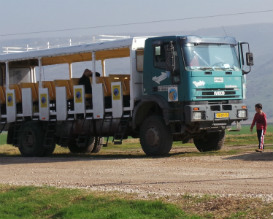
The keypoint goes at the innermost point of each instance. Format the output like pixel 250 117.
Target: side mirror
pixel 249 59
pixel 246 59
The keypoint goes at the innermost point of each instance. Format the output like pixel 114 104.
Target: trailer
pixel 176 88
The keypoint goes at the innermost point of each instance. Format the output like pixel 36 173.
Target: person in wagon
pixel 85 80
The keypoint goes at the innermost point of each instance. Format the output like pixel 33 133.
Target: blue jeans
pixel 260 135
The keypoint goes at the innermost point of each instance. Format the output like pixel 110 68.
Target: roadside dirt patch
pixel 248 174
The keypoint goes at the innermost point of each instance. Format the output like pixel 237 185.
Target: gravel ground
pixel 247 175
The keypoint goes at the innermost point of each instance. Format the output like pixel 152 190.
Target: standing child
pixel 260 120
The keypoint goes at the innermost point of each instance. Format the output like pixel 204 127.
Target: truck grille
pixel 209 93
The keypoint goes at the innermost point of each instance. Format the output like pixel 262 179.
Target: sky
pixel 34 18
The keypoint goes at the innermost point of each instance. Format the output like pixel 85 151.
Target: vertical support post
pixel 7 75
pixel 10 99
pixel 97 93
pixel 70 71
pixel 32 74
pixel 103 67
pixel 94 67
pixel 40 72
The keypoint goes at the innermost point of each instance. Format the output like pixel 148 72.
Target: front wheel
pixel 155 136
pixel 210 141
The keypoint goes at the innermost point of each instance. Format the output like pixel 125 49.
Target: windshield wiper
pixel 224 68
pixel 206 68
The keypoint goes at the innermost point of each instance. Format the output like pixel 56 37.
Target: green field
pixel 245 137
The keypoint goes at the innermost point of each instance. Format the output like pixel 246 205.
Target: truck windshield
pixel 210 57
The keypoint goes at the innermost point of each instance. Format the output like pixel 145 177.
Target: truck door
pixel 165 75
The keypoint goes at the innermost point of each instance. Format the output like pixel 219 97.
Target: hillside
pixel 259 80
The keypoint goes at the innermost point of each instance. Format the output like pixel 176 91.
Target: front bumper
pixel 214 115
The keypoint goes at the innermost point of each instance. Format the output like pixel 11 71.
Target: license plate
pixel 221 115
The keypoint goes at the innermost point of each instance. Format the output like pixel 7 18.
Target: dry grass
pixel 225 207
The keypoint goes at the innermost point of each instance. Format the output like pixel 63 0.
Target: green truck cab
pixel 193 87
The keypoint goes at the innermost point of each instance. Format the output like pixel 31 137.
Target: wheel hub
pixel 28 140
pixel 152 137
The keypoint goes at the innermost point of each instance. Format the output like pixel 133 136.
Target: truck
pixel 175 88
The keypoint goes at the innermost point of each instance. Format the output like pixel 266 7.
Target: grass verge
pixel 47 202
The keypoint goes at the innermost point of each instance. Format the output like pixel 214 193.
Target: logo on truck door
pixel 172 94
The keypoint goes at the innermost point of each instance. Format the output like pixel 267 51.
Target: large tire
pixel 49 149
pixel 210 141
pixel 76 145
pixel 97 145
pixel 31 140
pixel 155 136
pixel 10 134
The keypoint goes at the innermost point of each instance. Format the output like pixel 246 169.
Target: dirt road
pixel 249 174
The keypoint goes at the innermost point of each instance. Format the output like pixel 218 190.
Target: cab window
pixel 159 56
pixel 166 57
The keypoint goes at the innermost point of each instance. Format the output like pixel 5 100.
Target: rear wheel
pixel 97 145
pixel 49 149
pixel 10 135
pixel 155 136
pixel 210 141
pixel 81 144
pixel 31 141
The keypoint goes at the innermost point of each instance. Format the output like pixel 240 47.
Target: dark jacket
pixel 86 82
pixel 87 85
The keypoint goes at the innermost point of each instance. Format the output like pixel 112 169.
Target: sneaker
pixel 259 150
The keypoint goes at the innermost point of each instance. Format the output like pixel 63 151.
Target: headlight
pixel 197 116
pixel 241 114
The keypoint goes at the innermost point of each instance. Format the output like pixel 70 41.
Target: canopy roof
pixel 104 50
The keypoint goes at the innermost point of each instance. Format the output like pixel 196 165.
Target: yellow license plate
pixel 221 115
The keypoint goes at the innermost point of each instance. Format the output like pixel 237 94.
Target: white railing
pixel 100 38
pixel 16 49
